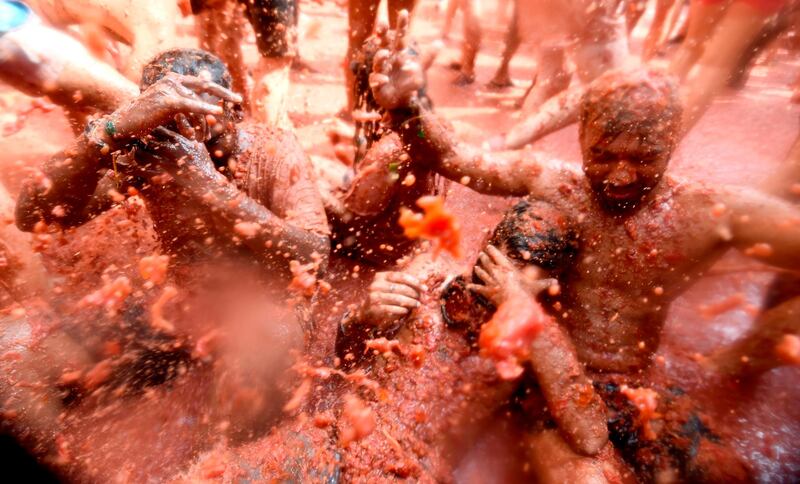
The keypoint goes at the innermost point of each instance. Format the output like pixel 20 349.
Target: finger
pixel 382 276
pixel 198 85
pixel 541 285
pixel 171 137
pixel 486 262
pixel 406 279
pixel 387 310
pixel 187 104
pixel 382 31
pixel 380 64
pixel 401 31
pixel 481 289
pixel 184 126
pixel 392 288
pixel 483 275
pixel 376 81
pixel 385 298
pixel 498 257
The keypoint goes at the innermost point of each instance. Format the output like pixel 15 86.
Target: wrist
pixel 100 134
pixel 513 292
pixel 403 116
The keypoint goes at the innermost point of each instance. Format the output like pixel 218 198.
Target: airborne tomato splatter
pixel 507 338
pixel 788 349
pixel 646 401
pixel 359 420
pixel 712 310
pixel 111 296
pixel 157 320
pixel 435 223
pixel 304 279
pixel 153 268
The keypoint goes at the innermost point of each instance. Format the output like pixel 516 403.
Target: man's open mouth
pixel 621 193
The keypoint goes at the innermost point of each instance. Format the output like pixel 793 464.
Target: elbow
pixel 26 218
pixel 25 223
pixel 25 215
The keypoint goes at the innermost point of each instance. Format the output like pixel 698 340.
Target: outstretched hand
pixel 396 74
pixel 392 297
pixel 501 279
pixel 170 97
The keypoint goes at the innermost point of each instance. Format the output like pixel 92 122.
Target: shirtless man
pixel 284 206
pixel 257 217
pixel 646 236
pixel 363 202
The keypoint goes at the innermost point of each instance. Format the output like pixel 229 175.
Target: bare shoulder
pixel 695 195
pixel 548 177
pixel 260 139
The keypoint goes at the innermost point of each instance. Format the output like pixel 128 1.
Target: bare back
pixel 270 167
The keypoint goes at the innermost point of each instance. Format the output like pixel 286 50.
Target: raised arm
pixel 395 81
pixel 765 227
pixel 62 191
pixel 40 60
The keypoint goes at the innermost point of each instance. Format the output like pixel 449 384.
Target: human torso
pixel 265 167
pixel 631 267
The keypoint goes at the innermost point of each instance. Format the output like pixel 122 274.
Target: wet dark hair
pixel 189 62
pixel 537 233
pixel 532 232
pixel 632 100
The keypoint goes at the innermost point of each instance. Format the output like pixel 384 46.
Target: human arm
pixel 62 191
pixel 68 73
pixel 773 341
pixel 556 113
pixel 395 81
pixel 269 235
pixel 764 226
pixel 377 177
pixel 521 330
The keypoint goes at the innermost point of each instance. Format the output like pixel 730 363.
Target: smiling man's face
pixel 629 126
pixel 623 169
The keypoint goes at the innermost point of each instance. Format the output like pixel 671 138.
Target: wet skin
pixel 175 174
pixel 645 236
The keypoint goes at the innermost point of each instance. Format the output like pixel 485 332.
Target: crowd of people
pixel 319 319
